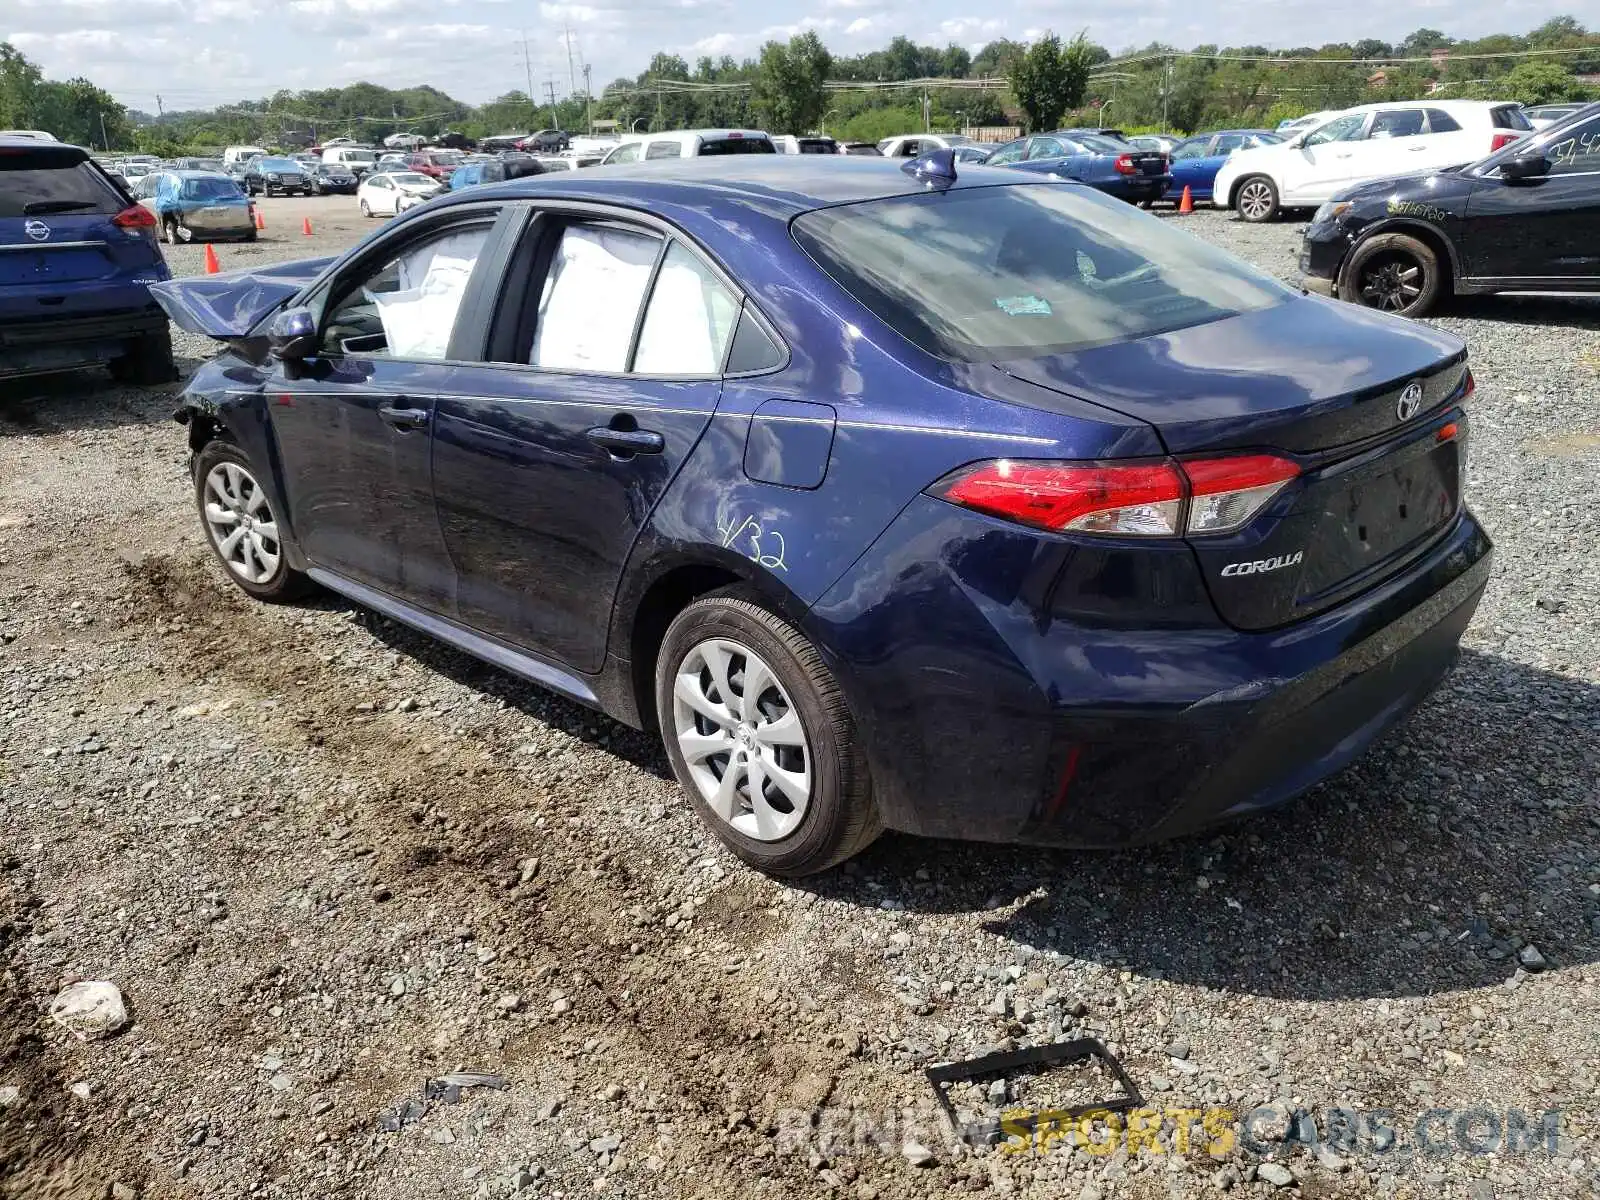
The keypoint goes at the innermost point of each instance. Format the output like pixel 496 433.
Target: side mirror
pixel 293 334
pixel 1530 164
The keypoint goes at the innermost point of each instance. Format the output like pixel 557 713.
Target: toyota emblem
pixel 37 230
pixel 1410 402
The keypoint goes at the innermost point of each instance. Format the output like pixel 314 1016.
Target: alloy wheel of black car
pixel 1394 273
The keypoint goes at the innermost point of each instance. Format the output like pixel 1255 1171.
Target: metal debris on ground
pixel 446 1089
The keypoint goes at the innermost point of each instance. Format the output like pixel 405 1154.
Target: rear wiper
pixel 56 206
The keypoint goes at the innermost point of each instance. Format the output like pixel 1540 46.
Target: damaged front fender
pixel 231 304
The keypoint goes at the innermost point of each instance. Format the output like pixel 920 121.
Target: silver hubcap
pixel 1256 200
pixel 241 524
pixel 741 737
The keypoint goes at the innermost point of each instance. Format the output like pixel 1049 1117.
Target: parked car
pixel 331 178
pixel 214 165
pixel 1541 116
pixel 404 141
pixel 31 135
pixel 915 145
pixel 971 155
pixel 358 160
pixel 136 170
pixel 1116 168
pixel 546 141
pixel 790 144
pixel 1372 141
pixel 272 176
pixel 1196 160
pixel 495 170
pixel 390 193
pixel 1116 135
pixel 77 257
pixel 751 480
pixel 863 149
pixel 204 206
pixel 240 154
pixel 436 164
pixel 1164 142
pixel 689 143
pixel 1526 218
pixel 503 141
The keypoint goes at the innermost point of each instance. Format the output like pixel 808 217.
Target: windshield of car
pixel 277 164
pixel 209 189
pixel 1021 271
pixel 40 182
pixel 446 158
pixel 956 139
pixel 410 178
pixel 737 145
pixel 1099 144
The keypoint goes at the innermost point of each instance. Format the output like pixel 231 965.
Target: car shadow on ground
pixel 41 405
pixel 1466 834
pixel 1545 312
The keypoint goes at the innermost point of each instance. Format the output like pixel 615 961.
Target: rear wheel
pixel 759 736
pixel 1258 199
pixel 1395 273
pixel 241 526
pixel 169 231
pixel 366 209
pixel 148 361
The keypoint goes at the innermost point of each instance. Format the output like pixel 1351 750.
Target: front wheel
pixel 1258 199
pixel 169 231
pixel 241 526
pixel 147 363
pixel 366 209
pixel 760 737
pixel 1393 272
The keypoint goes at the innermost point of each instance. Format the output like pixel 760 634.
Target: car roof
pixel 682 134
pixel 11 142
pixel 193 173
pixel 1445 105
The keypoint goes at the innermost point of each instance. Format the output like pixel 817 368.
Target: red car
pixel 440 164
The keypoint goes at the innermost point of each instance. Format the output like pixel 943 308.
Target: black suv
pixel 332 178
pixel 270 175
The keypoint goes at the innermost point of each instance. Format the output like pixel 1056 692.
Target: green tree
pixel 996 58
pixel 1050 78
pixel 1539 83
pixel 19 83
pixel 788 94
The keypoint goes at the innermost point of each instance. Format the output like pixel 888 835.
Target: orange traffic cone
pixel 261 222
pixel 1186 205
pixel 212 265
pixel 305 226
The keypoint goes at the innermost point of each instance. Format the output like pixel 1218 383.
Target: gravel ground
pixel 325 860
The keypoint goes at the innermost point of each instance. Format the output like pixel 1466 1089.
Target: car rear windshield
pixel 210 189
pixel 1511 116
pixel 1025 270
pixel 737 145
pixel 39 182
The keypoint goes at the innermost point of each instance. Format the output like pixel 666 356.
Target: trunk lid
pixel 1357 399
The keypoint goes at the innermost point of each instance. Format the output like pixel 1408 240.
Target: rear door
pixel 607 358
pixel 62 250
pixel 1398 143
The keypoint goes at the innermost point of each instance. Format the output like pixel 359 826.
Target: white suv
pixel 688 143
pixel 1373 141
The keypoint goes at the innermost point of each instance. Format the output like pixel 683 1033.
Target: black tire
pixel 1394 273
pixel 1257 199
pixel 148 362
pixel 251 236
pixel 840 818
pixel 266 189
pixel 285 583
pixel 169 231
pixel 366 209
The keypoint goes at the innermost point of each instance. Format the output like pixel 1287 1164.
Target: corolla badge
pixel 1410 402
pixel 1261 566
pixel 37 230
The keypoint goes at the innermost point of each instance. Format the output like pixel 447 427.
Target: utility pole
pixel 572 76
pixel 160 112
pixel 527 66
pixel 1166 95
pixel 550 95
pixel 588 99
pixel 104 140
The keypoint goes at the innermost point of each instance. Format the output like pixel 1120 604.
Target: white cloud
pixel 861 25
pixel 717 43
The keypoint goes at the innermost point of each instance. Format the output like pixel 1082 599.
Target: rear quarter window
pixel 1510 116
pixel 744 145
pixel 37 183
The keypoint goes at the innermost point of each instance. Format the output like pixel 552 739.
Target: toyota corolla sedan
pixel 945 499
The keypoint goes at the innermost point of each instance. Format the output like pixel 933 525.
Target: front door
pixel 1547 227
pixel 354 422
pixel 1325 162
pixel 546 467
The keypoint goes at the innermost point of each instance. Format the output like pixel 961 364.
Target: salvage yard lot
pixel 326 859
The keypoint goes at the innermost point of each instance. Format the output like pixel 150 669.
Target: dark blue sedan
pixel 1196 160
pixel 982 507
pixel 1106 164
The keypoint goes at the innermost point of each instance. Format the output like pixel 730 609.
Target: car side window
pixel 909 148
pixel 407 306
pixel 626 154
pixel 1577 152
pixel 1342 129
pixel 688 321
pixel 1187 150
pixel 591 298
pixel 1440 121
pixel 1009 153
pixel 1227 142
pixel 1397 123
pixel 663 150
pixel 1045 147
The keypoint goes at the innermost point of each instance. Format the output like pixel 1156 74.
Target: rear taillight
pixel 1144 499
pixel 1125 165
pixel 134 217
pixel 1468 384
pixel 1503 138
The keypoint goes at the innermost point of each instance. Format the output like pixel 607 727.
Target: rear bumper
pixel 42 344
pixel 1136 188
pixel 985 721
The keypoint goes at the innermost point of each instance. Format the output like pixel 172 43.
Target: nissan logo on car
pixel 1261 566
pixel 1410 401
pixel 37 230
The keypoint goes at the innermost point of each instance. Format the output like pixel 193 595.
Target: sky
pixel 200 53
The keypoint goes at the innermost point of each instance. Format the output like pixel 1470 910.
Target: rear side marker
pixel 1163 498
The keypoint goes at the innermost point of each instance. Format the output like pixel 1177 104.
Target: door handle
pixel 627 441
pixel 403 419
pixel 1415 149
